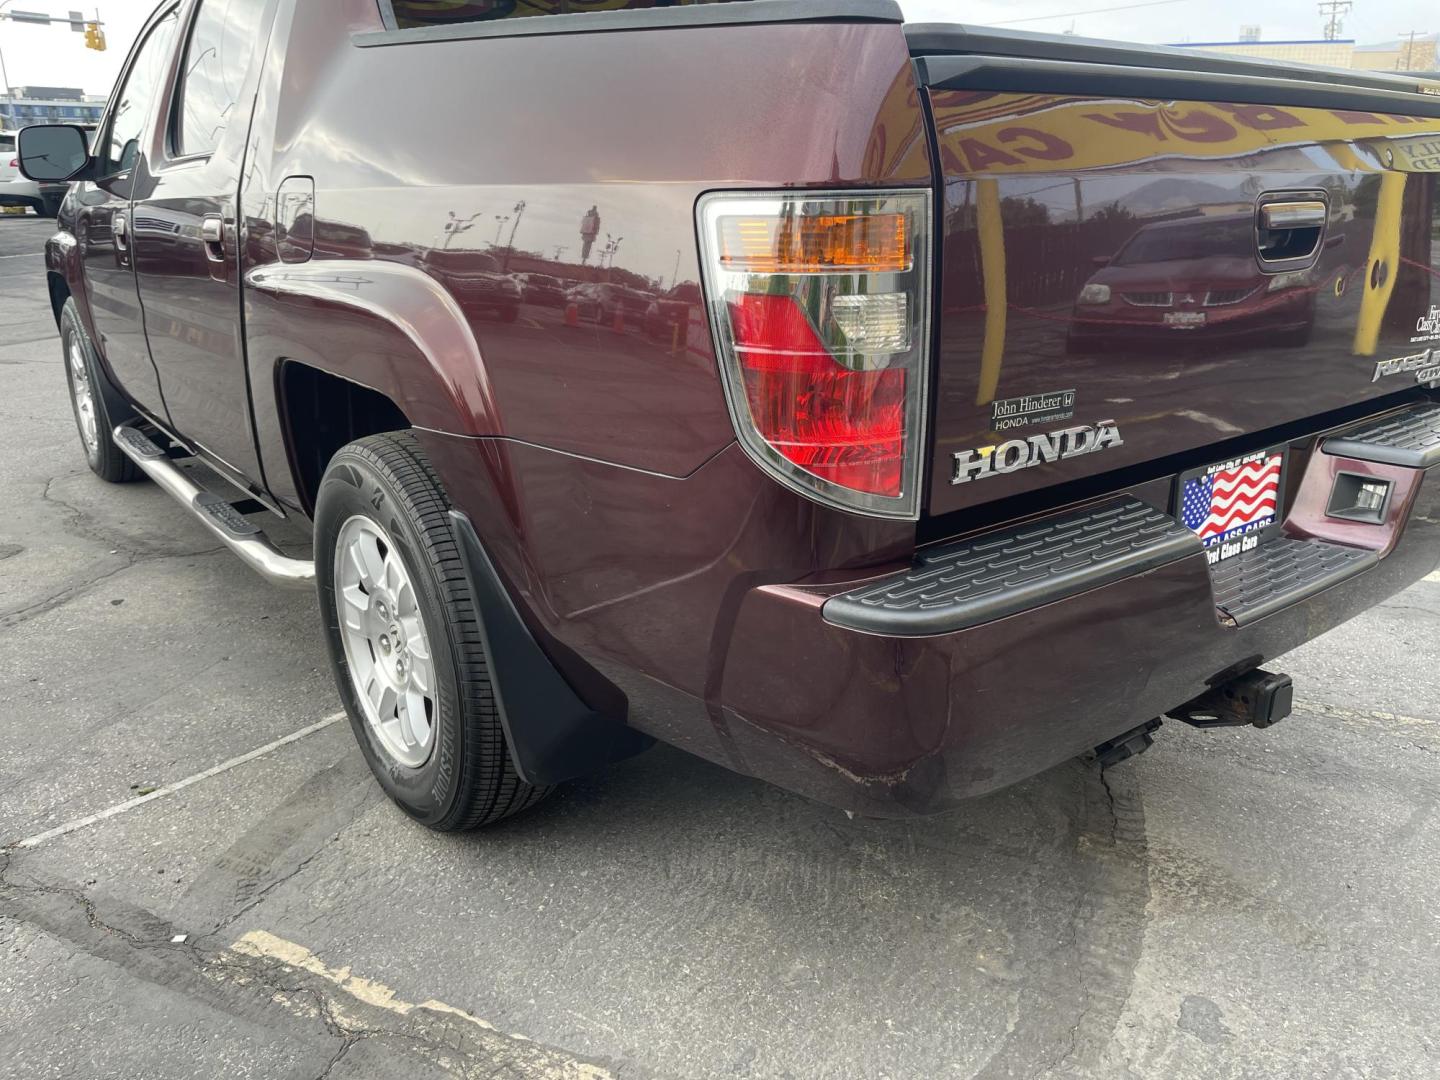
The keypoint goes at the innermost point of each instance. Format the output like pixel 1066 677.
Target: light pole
pixel 4 75
pixel 519 213
pixel 500 220
pixel 457 225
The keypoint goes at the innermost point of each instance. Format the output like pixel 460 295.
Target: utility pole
pixel 1335 10
pixel 1407 54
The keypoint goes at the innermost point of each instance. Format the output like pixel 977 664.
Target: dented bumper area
pixel 909 714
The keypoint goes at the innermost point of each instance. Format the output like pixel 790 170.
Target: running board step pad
pixel 136 444
pixel 241 535
pixel 225 515
pixel 1410 438
pixel 1281 572
pixel 1015 569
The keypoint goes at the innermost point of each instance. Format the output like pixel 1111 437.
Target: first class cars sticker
pixel 1015 454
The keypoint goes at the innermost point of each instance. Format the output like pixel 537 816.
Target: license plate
pixel 1232 504
pixel 1184 320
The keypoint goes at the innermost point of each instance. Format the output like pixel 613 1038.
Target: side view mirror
pixel 52 153
pixel 1101 260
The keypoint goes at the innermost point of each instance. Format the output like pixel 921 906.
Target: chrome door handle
pixel 212 234
pixel 1307 214
pixel 119 229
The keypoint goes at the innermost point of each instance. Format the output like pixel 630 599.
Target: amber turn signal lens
pixel 871 243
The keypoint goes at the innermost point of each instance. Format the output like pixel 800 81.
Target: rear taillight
pixel 821 311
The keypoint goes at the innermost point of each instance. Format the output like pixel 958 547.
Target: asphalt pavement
pixel 199 878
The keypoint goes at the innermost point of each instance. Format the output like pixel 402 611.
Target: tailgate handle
pixel 1310 214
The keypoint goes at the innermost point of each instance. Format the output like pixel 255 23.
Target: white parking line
pixel 171 789
pixel 1432 577
pixel 26 255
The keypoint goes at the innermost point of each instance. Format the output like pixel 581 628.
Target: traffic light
pixel 94 37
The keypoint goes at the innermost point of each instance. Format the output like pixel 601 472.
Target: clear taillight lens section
pixel 820 306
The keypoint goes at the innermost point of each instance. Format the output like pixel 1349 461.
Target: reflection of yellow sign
pixel 1021 133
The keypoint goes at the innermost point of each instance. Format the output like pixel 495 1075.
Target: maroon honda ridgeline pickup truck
pixel 907 408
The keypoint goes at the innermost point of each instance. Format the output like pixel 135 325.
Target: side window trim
pixel 263 11
pixel 106 125
pixel 170 146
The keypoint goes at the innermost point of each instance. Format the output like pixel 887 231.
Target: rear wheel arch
pixel 321 412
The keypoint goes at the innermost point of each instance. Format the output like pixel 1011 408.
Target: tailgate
pixel 1145 263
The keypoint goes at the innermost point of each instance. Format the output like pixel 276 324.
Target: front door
pixel 102 223
pixel 184 234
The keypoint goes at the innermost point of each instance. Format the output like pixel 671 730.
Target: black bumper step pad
pixel 1410 438
pixel 1015 569
pixel 1281 572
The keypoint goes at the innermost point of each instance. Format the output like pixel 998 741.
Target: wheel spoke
pixel 416 722
pixel 422 674
pixel 355 610
pixel 415 638
pixel 366 556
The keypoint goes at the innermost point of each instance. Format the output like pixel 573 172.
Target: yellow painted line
pixel 1362 716
pixel 545 1063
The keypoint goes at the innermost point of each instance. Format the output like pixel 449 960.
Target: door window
pixel 132 103
pixel 217 58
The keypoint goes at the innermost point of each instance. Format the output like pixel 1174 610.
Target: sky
pixel 54 56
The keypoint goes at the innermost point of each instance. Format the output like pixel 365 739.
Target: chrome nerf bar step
pixel 235 531
pixel 1410 438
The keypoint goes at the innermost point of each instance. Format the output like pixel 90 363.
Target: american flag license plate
pixel 1230 504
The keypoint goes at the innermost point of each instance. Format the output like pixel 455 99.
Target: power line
pixel 1092 11
pixel 1408 53
pixel 1334 23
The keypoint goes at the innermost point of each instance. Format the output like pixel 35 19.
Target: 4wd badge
pixel 1008 457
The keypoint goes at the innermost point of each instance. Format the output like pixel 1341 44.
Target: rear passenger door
pixel 184 233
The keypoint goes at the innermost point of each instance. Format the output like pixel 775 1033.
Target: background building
pixel 1332 53
pixel 1418 53
pixel 48 105
pixel 1409 54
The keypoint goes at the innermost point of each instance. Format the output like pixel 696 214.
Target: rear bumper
pixel 894 725
pixel 711 632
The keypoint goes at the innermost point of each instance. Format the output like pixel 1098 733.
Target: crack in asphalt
pixel 76 525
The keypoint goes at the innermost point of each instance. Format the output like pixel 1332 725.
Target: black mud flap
pixel 553 734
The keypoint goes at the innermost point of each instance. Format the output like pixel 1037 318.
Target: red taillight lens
pixel 820 308
pixel 847 427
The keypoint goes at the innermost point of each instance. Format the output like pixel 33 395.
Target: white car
pixel 15 190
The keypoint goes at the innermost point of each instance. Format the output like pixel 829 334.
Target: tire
pixel 49 206
pixel 449 767
pixel 97 407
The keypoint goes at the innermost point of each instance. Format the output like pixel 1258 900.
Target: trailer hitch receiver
pixel 1258 698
